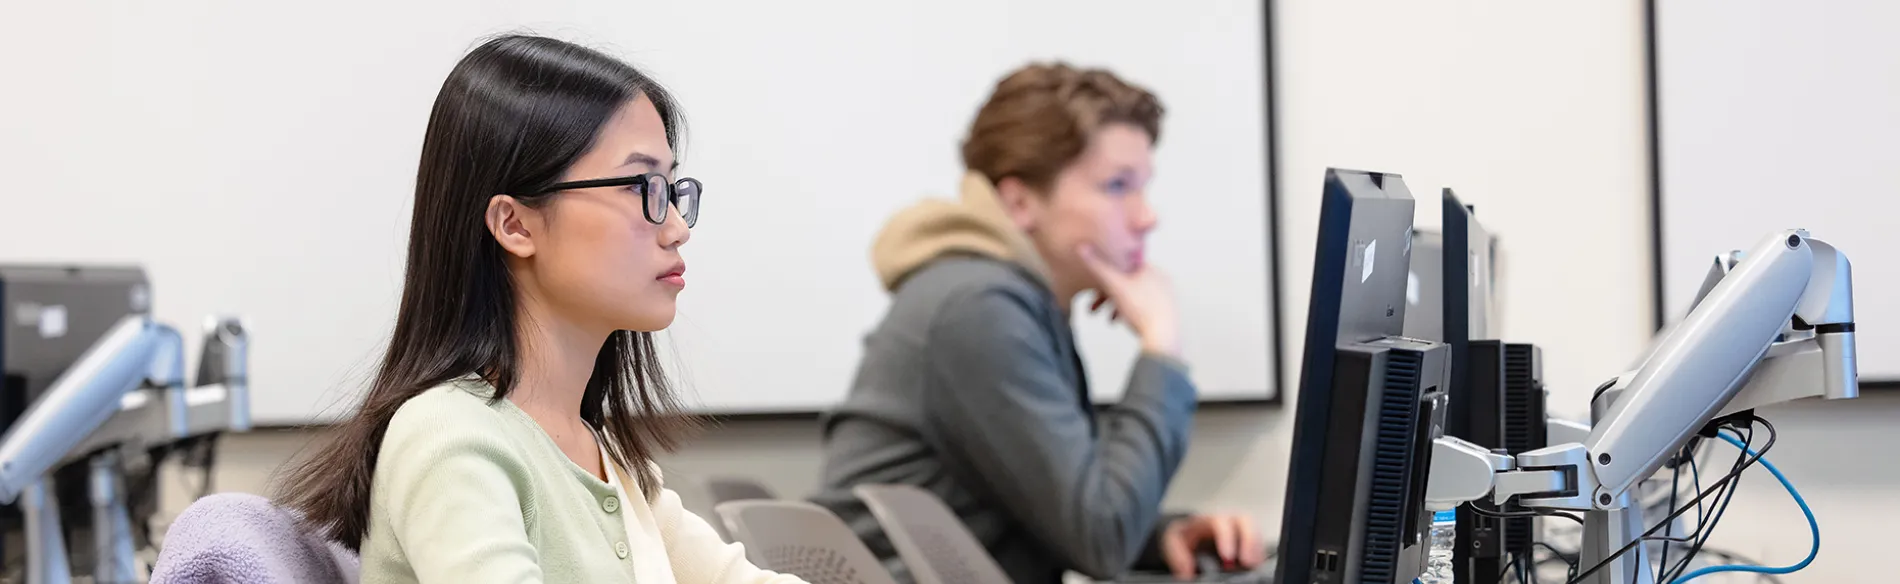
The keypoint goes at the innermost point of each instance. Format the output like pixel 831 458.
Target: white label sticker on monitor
pixel 1476 271
pixel 1365 265
pixel 52 321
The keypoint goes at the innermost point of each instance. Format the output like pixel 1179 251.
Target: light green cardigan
pixel 471 490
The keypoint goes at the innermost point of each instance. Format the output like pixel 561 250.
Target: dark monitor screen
pixel 1495 398
pixel 1475 410
pixel 1431 296
pixel 1465 296
pixel 1355 318
pixel 1359 266
pixel 1468 252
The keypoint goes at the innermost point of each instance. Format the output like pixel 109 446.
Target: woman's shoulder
pixel 464 401
pixel 454 413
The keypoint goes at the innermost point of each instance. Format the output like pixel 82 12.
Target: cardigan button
pixel 620 549
pixel 611 504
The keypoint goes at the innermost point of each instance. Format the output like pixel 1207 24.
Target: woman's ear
pixel 1023 203
pixel 513 224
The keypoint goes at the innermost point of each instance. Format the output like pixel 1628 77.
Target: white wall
pixel 254 162
pixel 1774 119
pixel 1534 112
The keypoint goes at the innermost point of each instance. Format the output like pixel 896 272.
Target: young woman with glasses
pixel 509 435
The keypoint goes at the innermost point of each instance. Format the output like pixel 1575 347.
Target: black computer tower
pixel 1477 416
pixel 1368 521
pixel 1525 427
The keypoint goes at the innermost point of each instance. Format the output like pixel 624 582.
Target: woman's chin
pixel 652 317
pixel 651 325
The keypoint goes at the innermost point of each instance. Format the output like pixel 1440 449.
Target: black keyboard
pixel 1210 572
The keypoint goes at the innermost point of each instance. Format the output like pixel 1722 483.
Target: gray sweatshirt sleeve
pixel 997 397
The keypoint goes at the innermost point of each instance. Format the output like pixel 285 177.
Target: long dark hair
pixel 512 116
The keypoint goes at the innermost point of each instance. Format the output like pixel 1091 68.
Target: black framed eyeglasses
pixel 656 194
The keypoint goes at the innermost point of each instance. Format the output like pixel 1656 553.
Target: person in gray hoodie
pixel 971 387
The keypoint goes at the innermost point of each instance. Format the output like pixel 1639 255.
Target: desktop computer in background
pixel 50 315
pixel 1495 394
pixel 94 400
pixel 1370 400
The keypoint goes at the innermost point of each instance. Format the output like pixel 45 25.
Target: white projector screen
pixel 1774 115
pixel 259 159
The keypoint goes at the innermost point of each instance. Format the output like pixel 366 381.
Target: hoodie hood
pixel 975 223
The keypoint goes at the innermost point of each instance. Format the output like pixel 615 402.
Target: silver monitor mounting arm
pixel 1778 327
pixel 1774 327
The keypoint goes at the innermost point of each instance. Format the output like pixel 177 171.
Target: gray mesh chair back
pixel 930 538
pixel 725 489
pixel 722 489
pixel 801 539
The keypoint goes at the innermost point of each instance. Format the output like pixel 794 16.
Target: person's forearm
pixel 1159 390
pixel 1088 488
pixel 1097 513
pixel 1143 441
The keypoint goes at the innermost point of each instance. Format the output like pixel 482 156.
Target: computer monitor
pixel 1369 401
pixel 1475 411
pixel 1496 394
pixel 50 315
pixel 1468 299
pixel 1428 290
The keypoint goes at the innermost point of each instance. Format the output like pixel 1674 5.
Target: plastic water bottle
pixel 1438 557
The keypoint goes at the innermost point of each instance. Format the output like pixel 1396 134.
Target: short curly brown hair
pixel 1040 118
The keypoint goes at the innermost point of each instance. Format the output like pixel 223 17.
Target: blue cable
pixel 1813 526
